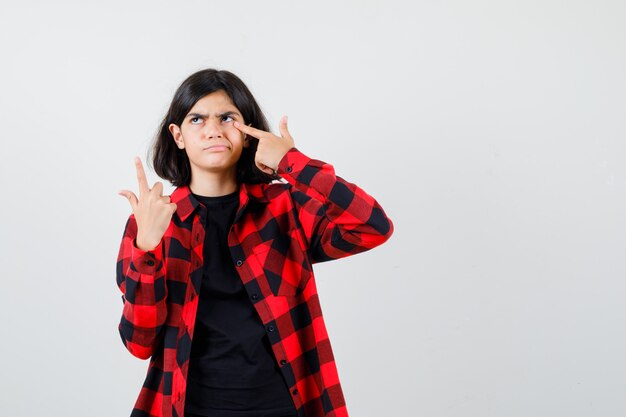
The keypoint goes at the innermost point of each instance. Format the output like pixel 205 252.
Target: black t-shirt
pixel 232 369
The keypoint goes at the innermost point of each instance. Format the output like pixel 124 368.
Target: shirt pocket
pixel 285 264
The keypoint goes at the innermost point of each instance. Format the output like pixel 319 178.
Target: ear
pixel 178 137
pixel 246 141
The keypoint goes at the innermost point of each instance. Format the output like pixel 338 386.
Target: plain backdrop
pixel 492 132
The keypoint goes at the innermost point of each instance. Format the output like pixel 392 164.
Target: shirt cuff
pixel 292 162
pixel 146 262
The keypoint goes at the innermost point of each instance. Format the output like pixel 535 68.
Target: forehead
pixel 216 101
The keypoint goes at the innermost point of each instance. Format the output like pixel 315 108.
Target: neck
pixel 213 184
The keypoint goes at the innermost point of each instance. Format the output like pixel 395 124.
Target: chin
pixel 217 167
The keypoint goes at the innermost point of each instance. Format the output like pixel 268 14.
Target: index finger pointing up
pixel 141 178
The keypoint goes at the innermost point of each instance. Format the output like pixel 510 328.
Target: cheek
pixel 233 133
pixel 189 132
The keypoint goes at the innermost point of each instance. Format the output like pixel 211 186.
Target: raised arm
pixel 140 271
pixel 338 218
pixel 140 275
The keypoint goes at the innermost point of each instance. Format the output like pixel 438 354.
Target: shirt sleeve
pixel 338 217
pixel 140 275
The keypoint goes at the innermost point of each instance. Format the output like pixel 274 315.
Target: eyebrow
pixel 204 116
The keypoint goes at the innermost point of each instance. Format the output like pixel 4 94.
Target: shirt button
pixel 270 328
pixel 294 392
pixel 255 296
pixel 283 362
pixel 150 262
pixel 289 169
pixel 239 262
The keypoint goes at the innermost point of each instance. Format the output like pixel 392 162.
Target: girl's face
pixel 208 136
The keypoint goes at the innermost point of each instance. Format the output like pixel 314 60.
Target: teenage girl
pixel 217 278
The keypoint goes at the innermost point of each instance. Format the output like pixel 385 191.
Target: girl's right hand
pixel 153 211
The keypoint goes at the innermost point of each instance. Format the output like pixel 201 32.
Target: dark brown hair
pixel 172 163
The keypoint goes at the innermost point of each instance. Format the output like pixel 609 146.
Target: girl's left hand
pixel 271 148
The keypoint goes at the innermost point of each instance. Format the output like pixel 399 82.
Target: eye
pixel 194 118
pixel 230 119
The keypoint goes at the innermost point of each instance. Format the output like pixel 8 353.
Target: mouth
pixel 216 148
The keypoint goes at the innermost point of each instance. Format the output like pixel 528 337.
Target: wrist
pixel 145 245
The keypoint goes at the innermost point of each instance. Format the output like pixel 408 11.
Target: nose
pixel 213 129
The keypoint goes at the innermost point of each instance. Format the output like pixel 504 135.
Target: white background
pixel 492 132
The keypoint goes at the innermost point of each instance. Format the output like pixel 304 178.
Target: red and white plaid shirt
pixel 279 231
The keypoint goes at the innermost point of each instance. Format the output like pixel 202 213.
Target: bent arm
pixel 140 275
pixel 339 219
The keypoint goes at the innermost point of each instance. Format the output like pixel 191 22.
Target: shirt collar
pixel 186 203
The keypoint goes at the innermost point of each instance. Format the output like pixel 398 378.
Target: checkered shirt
pixel 280 230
